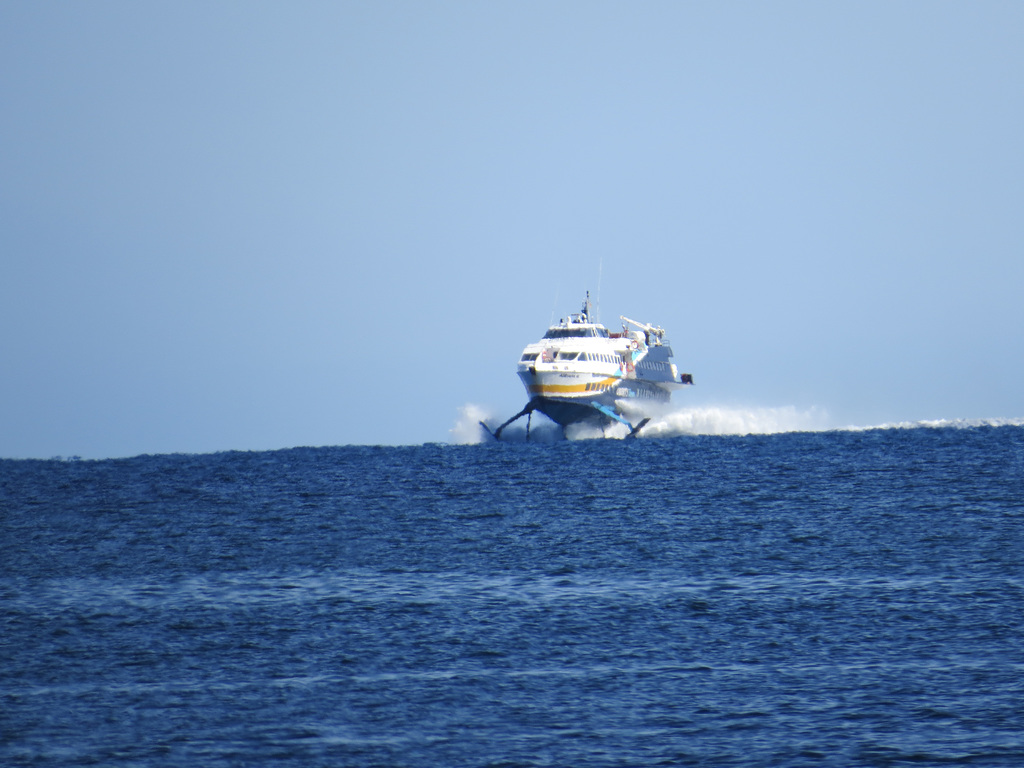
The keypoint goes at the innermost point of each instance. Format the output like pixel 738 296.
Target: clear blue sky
pixel 257 225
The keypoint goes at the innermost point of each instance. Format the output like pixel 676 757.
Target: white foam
pixel 715 420
pixel 592 431
pixel 940 424
pixel 730 420
pixel 467 429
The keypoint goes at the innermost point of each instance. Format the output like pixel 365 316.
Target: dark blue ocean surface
pixel 836 599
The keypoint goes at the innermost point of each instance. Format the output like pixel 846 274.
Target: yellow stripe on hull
pixel 569 389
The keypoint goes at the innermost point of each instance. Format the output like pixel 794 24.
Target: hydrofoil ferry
pixel 582 372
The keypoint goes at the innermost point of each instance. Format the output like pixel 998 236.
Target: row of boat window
pixel 565 333
pixel 597 357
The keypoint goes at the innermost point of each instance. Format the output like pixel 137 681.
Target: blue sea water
pixel 809 599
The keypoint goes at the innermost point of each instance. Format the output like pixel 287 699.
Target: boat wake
pixel 941 424
pixel 669 422
pixel 722 420
pixel 702 420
